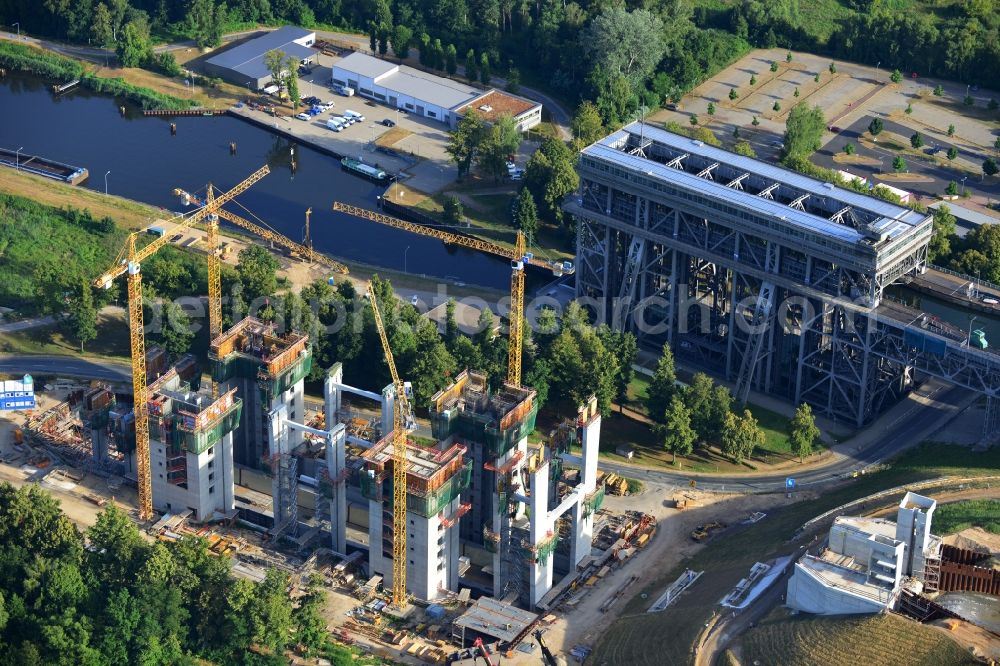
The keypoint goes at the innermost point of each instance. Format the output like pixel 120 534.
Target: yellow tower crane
pixel 400 420
pixel 129 262
pixel 518 258
pixel 214 208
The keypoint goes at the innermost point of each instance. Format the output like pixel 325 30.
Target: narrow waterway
pixel 949 312
pixel 146 163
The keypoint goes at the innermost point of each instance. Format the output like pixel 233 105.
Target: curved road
pixel 908 428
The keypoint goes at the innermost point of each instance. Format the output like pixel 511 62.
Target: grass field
pixel 112 339
pixel 955 517
pixel 878 640
pixel 665 639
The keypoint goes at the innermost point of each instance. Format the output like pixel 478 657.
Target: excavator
pixel 547 657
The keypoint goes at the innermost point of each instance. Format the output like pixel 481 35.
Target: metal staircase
pixel 755 340
pixel 630 275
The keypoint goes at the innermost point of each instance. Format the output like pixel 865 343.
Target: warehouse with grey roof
pixel 244 64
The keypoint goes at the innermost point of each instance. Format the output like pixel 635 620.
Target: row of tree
pixel 701 414
pixel 109 596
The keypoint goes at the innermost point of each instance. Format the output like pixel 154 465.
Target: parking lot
pixel 850 97
pixel 417 145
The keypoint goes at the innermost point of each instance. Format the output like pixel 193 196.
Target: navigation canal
pixel 147 163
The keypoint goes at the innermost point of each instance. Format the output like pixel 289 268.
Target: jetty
pixel 41 166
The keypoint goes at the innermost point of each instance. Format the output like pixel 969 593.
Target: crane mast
pixel 129 261
pixel 517 255
pixel 402 408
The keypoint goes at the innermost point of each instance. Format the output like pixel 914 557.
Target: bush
pixel 166 63
pixel 26 59
pixel 144 97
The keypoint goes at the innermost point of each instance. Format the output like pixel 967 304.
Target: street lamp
pixel 963 185
pixel 18 26
pixel 106 182
pixel 968 337
pixel 876 70
pixel 404 258
pixel 17 159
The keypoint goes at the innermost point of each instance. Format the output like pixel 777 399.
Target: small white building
pixel 427 95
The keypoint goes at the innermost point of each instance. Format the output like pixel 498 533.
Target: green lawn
pixel 112 340
pixel 665 639
pixel 781 639
pixel 957 516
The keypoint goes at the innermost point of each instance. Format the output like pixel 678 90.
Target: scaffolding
pixel 252 349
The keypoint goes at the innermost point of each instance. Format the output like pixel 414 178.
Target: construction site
pixel 424 527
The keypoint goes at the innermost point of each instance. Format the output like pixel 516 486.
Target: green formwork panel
pixel 271 389
pixel 475 428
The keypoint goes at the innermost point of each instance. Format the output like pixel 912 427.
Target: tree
pixel 401 38
pixel 755 122
pixel 816 78
pixel 803 131
pixel 753 79
pixel 968 101
pixel 802 431
pixel 698 399
pixel 849 148
pixel 896 76
pixel 898 164
pixel 951 189
pixel 944 229
pixel 990 166
pixel 373 37
pixel 451 60
pixel 502 139
pixel 993 104
pixel 951 130
pixel 939 90
pixel 471 72
pixel 736 131
pixel 204 23
pixel 776 106
pixel 832 68
pixel 133 47
pixel 744 148
pixel 916 140
pixel 952 153
pixel 525 214
pixel 550 175
pixel 586 125
pixel 693 119
pixel 513 80
pixel 796 92
pixel 257 270
pixel 909 109
pixel 740 436
pixel 581 365
pixel 484 69
pixel 629 44
pixel 675 431
pixel 733 94
pixel 788 57
pixel 774 66
pixel 83 315
pixel 663 386
pixel 276 63
pixel 175 328
pixel 101 29
pixel 623 346
pixel 465 141
pixel 711 109
pixel 453 214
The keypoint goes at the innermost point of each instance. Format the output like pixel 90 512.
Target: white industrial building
pixel 427 95
pixel 866 561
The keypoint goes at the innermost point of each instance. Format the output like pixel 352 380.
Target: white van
pixel 355 115
pixel 346 91
pixel 335 123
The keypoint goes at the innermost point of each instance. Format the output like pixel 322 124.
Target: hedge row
pixel 51 66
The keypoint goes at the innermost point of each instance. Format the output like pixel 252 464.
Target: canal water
pixel 146 164
pixel 981 609
pixel 949 312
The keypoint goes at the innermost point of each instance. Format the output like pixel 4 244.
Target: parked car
pixel 415 300
pixel 303 116
pixel 388 123
pixel 311 100
pixel 355 115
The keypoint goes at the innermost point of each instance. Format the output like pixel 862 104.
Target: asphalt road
pixel 66 366
pixel 909 428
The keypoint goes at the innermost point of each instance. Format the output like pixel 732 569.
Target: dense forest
pixel 618 55
pixel 110 596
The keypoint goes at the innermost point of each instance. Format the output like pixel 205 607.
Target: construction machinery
pixel 215 211
pixel 517 255
pixel 547 657
pixel 482 650
pixel 400 422
pixel 129 261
